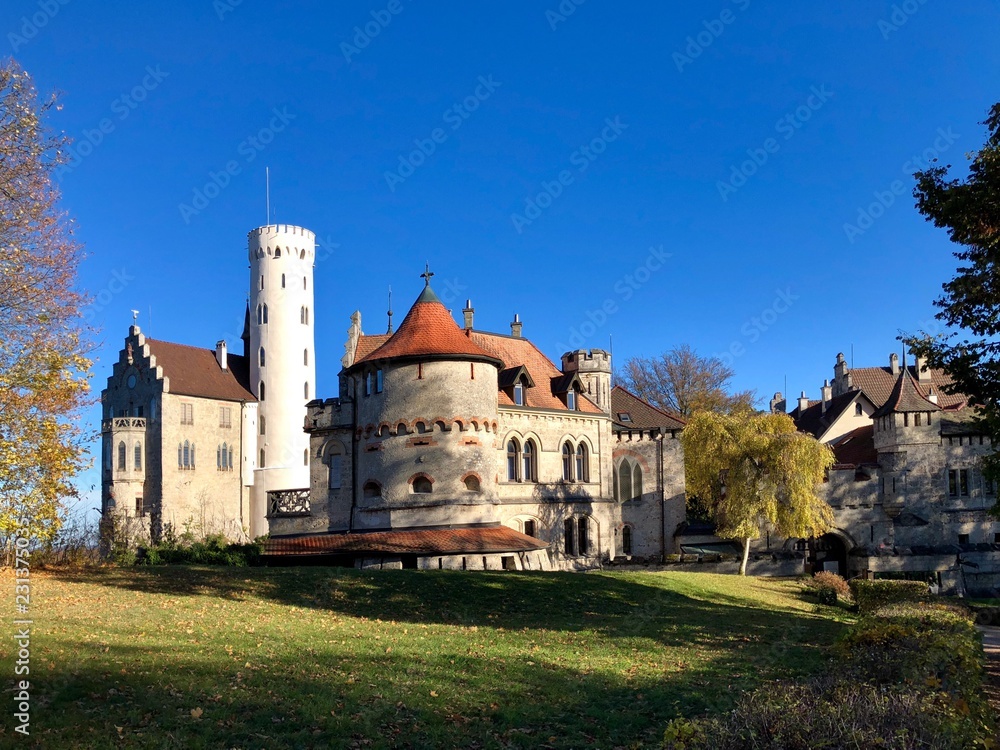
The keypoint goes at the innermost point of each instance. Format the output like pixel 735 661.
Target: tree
pixel 44 368
pixel 970 211
pixel 750 469
pixel 681 381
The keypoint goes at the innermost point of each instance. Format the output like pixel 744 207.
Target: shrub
pixel 871 595
pixel 213 550
pixel 828 587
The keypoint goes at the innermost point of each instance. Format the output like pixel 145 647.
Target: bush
pixel 872 595
pixel 213 550
pixel 828 587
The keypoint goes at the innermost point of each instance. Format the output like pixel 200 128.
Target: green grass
pixel 181 657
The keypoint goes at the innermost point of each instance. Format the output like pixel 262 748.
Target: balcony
pixel 123 423
pixel 288 504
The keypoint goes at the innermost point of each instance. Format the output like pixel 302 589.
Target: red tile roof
pixel 514 351
pixel 906 396
pixel 878 383
pixel 856 448
pixel 368 344
pixel 194 371
pixel 428 330
pixel 443 541
pixel 644 416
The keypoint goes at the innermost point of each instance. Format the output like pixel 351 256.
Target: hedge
pixel 871 595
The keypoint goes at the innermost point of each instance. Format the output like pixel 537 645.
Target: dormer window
pixel 571 400
pixel 624 417
pixel 519 394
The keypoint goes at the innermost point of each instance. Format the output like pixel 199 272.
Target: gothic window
pixel 137 457
pixel 567 462
pixel 627 540
pixel 121 456
pixel 261 356
pixel 260 391
pixel 277 252
pixel 529 471
pixel 262 462
pixel 616 492
pixel 472 483
pixel 513 454
pixel 422 485
pixel 218 458
pixel 230 458
pixel 582 464
pixel 569 536
pixel 637 482
pixel 625 481
pixel 582 538
pixel 282 281
pixel 305 357
pixel 260 423
pixel 265 314
pixel 180 456
pixel 305 390
pixel 225 457
pixel 187 455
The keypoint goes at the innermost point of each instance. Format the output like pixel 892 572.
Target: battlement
pixel 587 360
pixel 276 229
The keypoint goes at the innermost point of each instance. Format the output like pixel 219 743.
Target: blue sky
pixel 663 173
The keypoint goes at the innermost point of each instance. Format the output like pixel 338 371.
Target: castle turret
pixel 594 369
pixel 282 361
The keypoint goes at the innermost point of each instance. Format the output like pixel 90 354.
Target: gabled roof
pixel 194 371
pixel 515 351
pixel 444 541
pixel 816 422
pixel 509 376
pixel 643 415
pixel 368 344
pixel 879 382
pixel 906 396
pixel 563 383
pixel 856 448
pixel 428 331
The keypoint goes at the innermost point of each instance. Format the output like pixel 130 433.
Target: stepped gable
pixel 641 414
pixel 906 396
pixel 194 371
pixel 428 332
pixel 879 382
pixel 516 352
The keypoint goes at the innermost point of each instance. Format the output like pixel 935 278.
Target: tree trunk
pixel 746 556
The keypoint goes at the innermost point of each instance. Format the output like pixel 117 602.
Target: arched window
pixel 582 464
pixel 529 471
pixel 422 485
pixel 859 410
pixel 304 315
pixel 305 457
pixel 636 482
pixel 305 357
pixel 569 536
pixel 625 481
pixel 225 456
pixel 518 394
pixel 567 462
pixel 335 465
pixel 261 354
pixel 260 312
pixel 582 536
pixel 372 490
pixel 187 455
pixel 472 483
pixel 614 482
pixel 513 453
pixel 262 462
pixel 230 457
pixel 192 455
pixel 282 281
pixel 305 390
pixel 627 540
pixel 265 313
pixel 277 252
pixel 121 456
pixel 218 458
pixel 260 391
pixel 180 456
pixel 262 282
pixel 304 284
pixel 137 457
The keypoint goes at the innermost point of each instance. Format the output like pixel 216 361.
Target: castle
pixel 446 446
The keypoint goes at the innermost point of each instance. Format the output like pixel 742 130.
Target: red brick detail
pixel 417 476
pixel 635 455
pixel 421 441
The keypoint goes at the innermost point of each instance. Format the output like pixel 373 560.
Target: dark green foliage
pixel 970 211
pixel 872 595
pixel 909 676
pixel 213 550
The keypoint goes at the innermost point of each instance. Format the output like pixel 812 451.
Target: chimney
pixel 515 327
pixel 468 312
pixel 778 404
pixel 803 403
pixel 221 356
pixel 841 375
pixel 827 391
pixel 932 395
pixel 923 373
pixel 894 364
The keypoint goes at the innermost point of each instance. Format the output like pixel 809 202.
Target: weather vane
pixel 426 275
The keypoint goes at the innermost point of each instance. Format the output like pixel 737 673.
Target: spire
pixel 428 294
pixel 389 330
pixel 426 275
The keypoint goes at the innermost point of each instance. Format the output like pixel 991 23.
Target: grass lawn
pixel 189 657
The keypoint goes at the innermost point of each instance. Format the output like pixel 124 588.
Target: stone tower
pixel 281 351
pixel 594 369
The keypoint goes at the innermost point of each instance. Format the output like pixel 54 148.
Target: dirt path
pixel 991 645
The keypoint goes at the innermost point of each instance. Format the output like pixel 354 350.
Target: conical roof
pixel 429 332
pixel 906 397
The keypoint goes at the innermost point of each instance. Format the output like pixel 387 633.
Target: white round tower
pixel 282 359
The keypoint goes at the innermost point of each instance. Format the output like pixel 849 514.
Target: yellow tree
pixel 44 369
pixel 749 469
